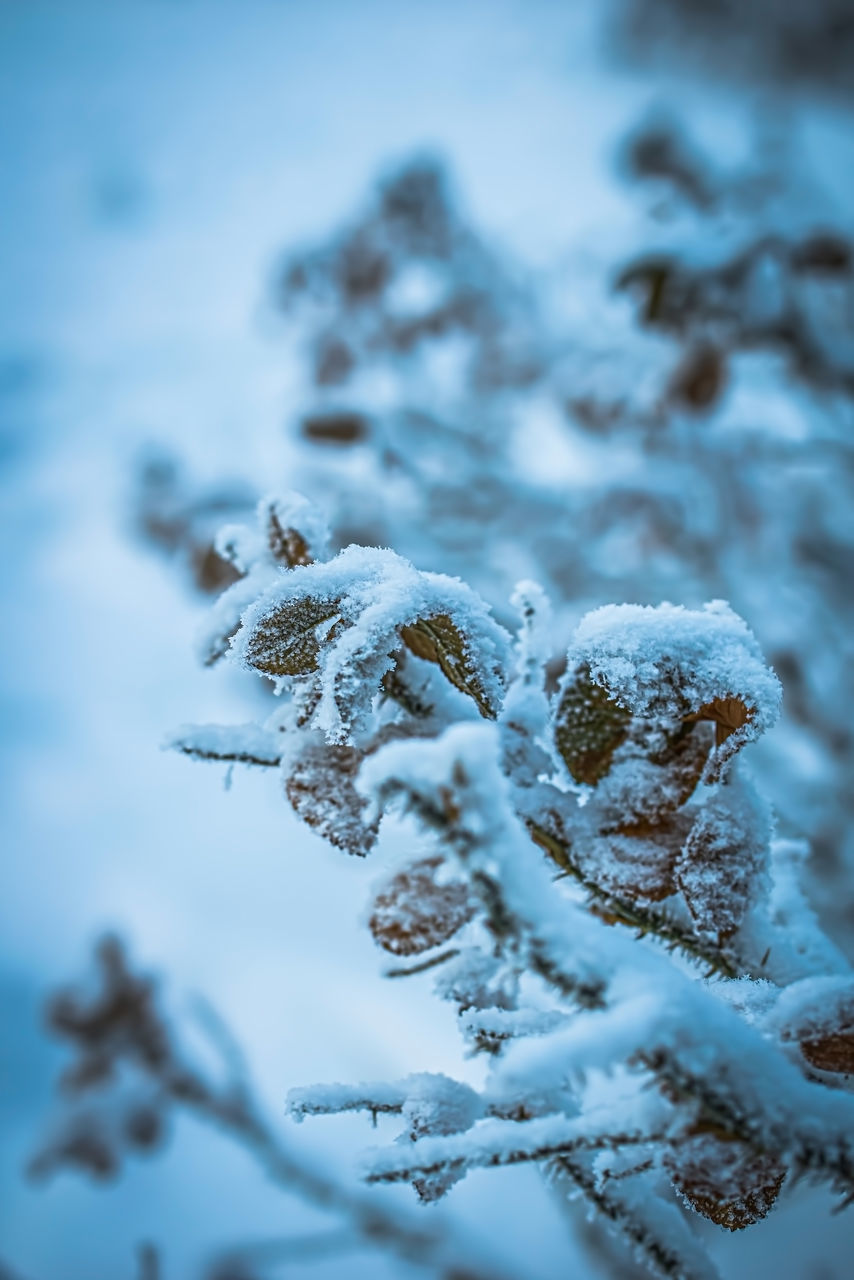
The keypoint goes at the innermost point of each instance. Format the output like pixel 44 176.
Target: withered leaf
pixel 589 727
pixel 833 1051
pixel 727 715
pixel 682 758
pixel 699 379
pixel 635 864
pixel 438 639
pixel 321 788
pixel 717 869
pixel 725 1180
pixel 412 912
pixel 285 642
pixel 211 572
pixel 335 428
pixel 287 545
pixel 825 1033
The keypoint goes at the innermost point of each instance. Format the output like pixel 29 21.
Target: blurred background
pixel 549 290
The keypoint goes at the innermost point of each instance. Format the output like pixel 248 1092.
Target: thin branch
pixel 121 1028
pixel 500 1142
pixel 229 757
pixel 239 1117
pixel 407 972
pixel 310 1247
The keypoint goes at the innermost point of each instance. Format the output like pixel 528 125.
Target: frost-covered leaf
pixel 634 866
pixel 721 868
pixel 725 1180
pixel 437 1104
pixel 818 1015
pixel 344 622
pixel 288 531
pixel 684 664
pixel 652 775
pixel 475 979
pixel 589 726
pixel 287 545
pixel 832 1051
pixel 642 767
pixel 417 909
pixel 319 782
pixel 287 641
pixel 437 639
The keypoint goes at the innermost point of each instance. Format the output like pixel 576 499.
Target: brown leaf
pixel 287 545
pixel 438 639
pixel 678 757
pixel 632 865
pixel 824 1031
pixel 725 1180
pixel 413 913
pixel 284 643
pixel 211 572
pixel 589 727
pixel 831 1052
pixel 727 714
pixel 718 867
pixel 321 789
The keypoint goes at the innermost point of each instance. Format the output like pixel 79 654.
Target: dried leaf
pixel 285 642
pixel 589 727
pixel 211 572
pixel 727 715
pixel 413 913
pixel 725 1180
pixel 682 760
pixel 824 1031
pixel 634 865
pixel 287 545
pixel 335 428
pixel 720 865
pixel 438 639
pixel 320 785
pixel 831 1052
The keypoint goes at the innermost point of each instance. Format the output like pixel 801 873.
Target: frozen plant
pixel 669 1034
pixel 622 427
pixel 400 691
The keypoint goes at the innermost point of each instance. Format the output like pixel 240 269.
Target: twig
pixel 405 1168
pixel 229 757
pixel 407 972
